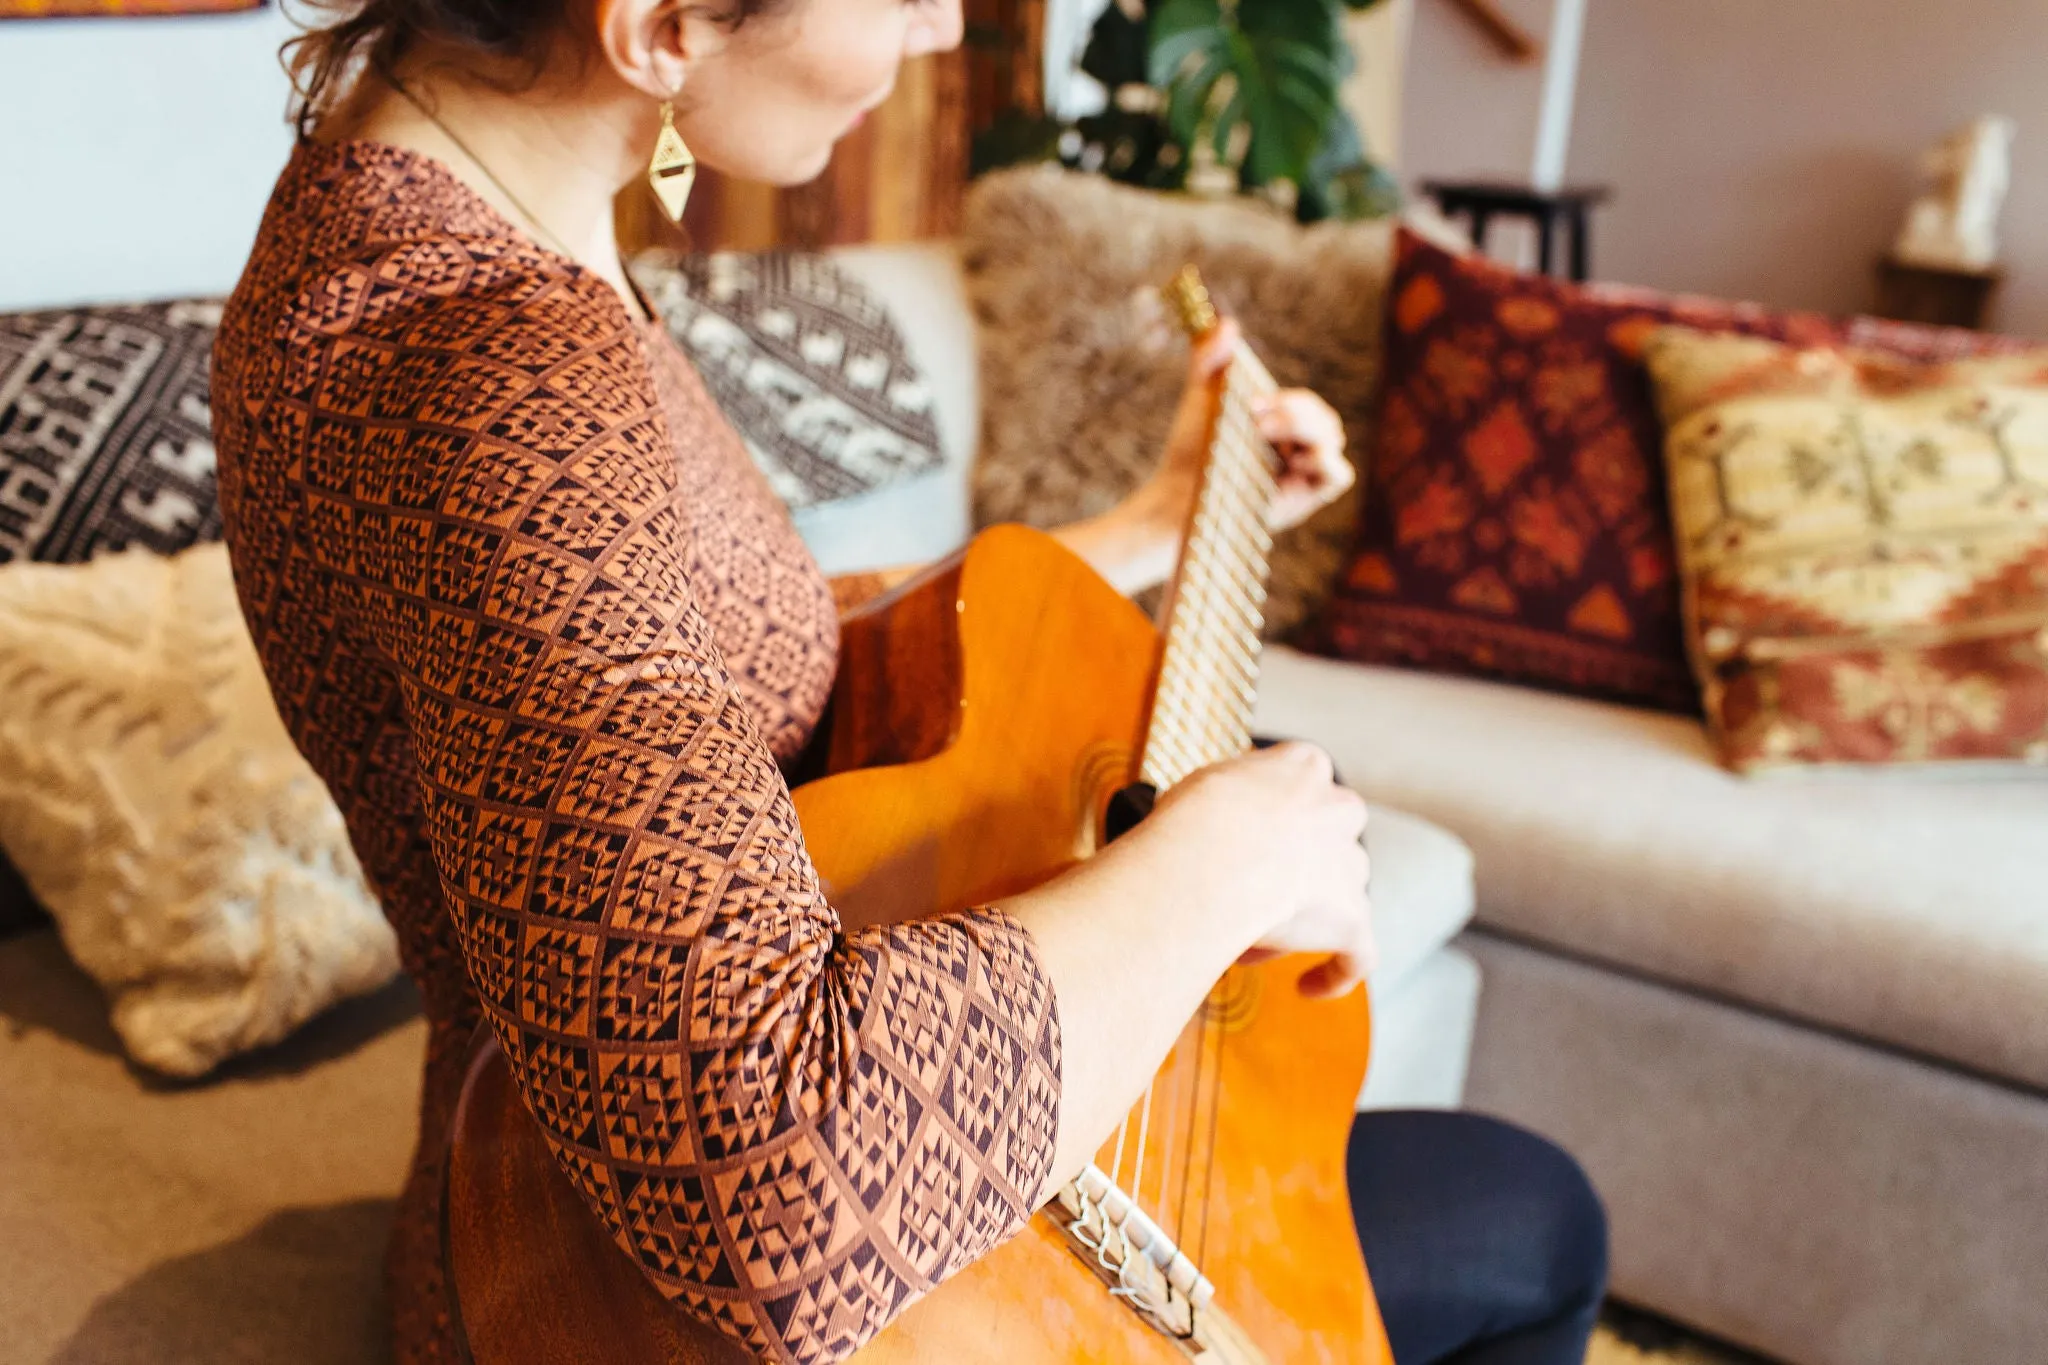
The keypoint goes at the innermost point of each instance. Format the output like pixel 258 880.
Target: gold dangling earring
pixel 672 171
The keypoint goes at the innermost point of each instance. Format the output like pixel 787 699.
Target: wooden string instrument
pixel 1009 693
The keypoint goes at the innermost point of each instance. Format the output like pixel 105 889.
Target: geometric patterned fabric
pixel 804 362
pixel 104 431
pixel 1515 524
pixel 1865 549
pixel 546 634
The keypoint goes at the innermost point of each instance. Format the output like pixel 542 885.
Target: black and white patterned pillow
pixel 806 364
pixel 105 442
pixel 105 438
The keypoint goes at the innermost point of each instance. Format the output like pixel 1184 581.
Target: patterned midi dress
pixel 550 641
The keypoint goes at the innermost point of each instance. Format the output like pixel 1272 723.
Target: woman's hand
pixel 1275 830
pixel 1258 854
pixel 1135 544
pixel 1303 430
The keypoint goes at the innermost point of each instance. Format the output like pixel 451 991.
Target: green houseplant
pixel 1214 96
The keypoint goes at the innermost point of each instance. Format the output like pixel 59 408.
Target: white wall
pixel 136 154
pixel 1379 43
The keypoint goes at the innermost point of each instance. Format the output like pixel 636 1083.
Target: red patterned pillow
pixel 1515 524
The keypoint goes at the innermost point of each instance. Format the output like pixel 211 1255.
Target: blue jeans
pixel 1486 1244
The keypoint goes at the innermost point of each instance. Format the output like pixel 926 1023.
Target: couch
pixel 1797 1030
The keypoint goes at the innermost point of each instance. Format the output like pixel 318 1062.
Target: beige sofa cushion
pixel 1421 892
pixel 1900 908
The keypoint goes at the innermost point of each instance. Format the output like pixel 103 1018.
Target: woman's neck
pixel 549 159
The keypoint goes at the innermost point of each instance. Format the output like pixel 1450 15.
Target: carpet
pixel 1629 1336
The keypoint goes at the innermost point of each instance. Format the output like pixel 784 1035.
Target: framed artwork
pixel 87 9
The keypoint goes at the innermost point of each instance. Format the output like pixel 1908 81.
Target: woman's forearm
pixel 1132 939
pixel 1130 546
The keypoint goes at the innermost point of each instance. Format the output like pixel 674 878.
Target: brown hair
pixel 375 35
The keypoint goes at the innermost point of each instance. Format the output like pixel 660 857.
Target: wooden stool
pixel 1550 210
pixel 1925 293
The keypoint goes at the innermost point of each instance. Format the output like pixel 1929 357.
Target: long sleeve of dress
pixel 794 1131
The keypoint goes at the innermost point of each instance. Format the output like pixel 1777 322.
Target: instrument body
pixel 1033 689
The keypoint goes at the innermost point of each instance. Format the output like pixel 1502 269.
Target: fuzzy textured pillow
pixel 1081 368
pixel 1865 550
pixel 805 363
pixel 195 866
pixel 104 443
pixel 1515 525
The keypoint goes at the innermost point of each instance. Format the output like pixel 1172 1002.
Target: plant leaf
pixel 1177 30
pixel 1187 100
pixel 1293 51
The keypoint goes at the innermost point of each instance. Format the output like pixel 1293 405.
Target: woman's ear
pixel 935 28
pixel 652 44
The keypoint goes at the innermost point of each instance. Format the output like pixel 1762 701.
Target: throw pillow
pixel 195 865
pixel 1865 549
pixel 104 443
pixel 1927 343
pixel 1515 523
pixel 1081 368
pixel 805 363
pixel 104 432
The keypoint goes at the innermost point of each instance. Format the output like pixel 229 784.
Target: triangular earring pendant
pixel 672 171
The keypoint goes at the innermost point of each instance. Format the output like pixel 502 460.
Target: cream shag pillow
pixel 195 866
pixel 1081 369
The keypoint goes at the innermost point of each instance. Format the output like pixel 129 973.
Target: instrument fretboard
pixel 1209 671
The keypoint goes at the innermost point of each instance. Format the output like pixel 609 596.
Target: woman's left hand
pixel 1303 430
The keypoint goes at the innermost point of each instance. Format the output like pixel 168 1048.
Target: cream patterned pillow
pixel 1864 546
pixel 195 866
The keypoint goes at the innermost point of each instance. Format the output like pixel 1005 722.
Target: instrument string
pixel 1167 1147
pixel 1187 1178
pixel 1144 1135
pixel 1201 1253
pixel 1202 713
pixel 1116 1167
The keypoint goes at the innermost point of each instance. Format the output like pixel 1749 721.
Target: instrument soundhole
pixel 1235 1001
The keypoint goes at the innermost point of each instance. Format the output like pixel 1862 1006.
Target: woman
pixel 547 637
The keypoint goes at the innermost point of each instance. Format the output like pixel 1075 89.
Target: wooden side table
pixel 1553 212
pixel 1949 298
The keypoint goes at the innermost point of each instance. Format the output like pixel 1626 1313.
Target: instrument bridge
pixel 1142 1266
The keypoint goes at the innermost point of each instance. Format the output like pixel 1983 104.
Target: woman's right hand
pixel 1278 836
pixel 1253 856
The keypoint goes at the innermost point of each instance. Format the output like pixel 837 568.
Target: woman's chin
pixel 781 172
pixel 821 159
